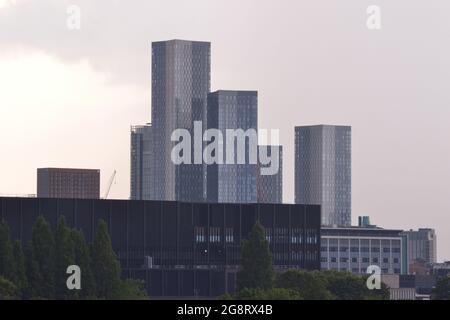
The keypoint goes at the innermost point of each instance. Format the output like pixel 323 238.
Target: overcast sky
pixel 69 97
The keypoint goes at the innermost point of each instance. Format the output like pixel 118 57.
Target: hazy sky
pixel 68 97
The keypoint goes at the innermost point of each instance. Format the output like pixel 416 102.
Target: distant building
pixel 270 187
pixel 421 246
pixel 142 183
pixel 441 269
pixel 181 80
pixel 354 249
pixel 68 183
pixel 233 183
pixel 323 171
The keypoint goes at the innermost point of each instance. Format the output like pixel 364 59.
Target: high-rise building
pixel 68 183
pixel 421 246
pixel 180 85
pixel 323 171
pixel 270 187
pixel 234 182
pixel 143 186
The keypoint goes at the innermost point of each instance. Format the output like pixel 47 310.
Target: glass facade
pixel 180 85
pixel 270 187
pixel 233 183
pixel 323 171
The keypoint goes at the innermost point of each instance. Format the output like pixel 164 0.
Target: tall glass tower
pixel 323 171
pixel 233 110
pixel 181 72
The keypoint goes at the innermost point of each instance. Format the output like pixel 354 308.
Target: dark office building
pixel 68 183
pixel 180 249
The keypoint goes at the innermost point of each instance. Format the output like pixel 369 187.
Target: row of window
pixel 362 249
pixel 356 260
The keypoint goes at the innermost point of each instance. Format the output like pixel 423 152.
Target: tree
pixel 106 267
pixel 309 284
pixel 83 260
pixel 270 294
pixel 256 261
pixel 20 278
pixel 43 260
pixel 6 253
pixel 8 291
pixel 442 289
pixel 347 286
pixel 64 252
pixel 131 289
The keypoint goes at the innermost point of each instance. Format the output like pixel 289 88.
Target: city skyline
pixel 390 89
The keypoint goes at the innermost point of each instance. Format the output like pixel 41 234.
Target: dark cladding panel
pixel 49 209
pixel 186 233
pixel 200 215
pixel 83 218
pixel 216 212
pixel 101 211
pixel 187 283
pixel 118 228
pixel 30 212
pixel 170 224
pixel 66 208
pixel 282 216
pixel 248 218
pixel 297 216
pixel 312 217
pixel 136 233
pixel 11 214
pixel 153 227
pixel 266 215
pixel 202 283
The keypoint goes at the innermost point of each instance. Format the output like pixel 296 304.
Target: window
pixel 365 260
pixel 344 259
pixel 375 260
pixel 386 250
pixel 333 259
pixel 385 260
pixel 354 260
pixel 395 260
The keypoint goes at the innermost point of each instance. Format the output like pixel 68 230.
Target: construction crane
pixel 111 180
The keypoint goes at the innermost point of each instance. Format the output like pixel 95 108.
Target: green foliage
pixel 43 247
pixel 20 278
pixel 347 286
pixel 8 291
pixel 106 267
pixel 256 262
pixel 39 270
pixel 6 253
pixel 65 256
pixel 83 260
pixel 131 289
pixel 310 285
pixel 269 294
pixel 442 289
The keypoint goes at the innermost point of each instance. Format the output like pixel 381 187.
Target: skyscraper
pixel 270 187
pixel 323 171
pixel 234 182
pixel 142 164
pixel 180 85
